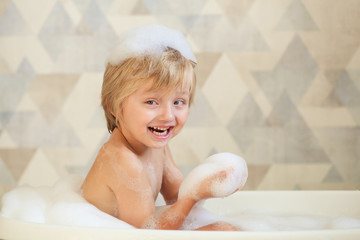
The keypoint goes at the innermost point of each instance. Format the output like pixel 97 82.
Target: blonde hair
pixel 168 70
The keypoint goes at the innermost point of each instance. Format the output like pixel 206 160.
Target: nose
pixel 166 113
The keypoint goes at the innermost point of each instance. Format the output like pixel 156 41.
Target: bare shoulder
pixel 120 160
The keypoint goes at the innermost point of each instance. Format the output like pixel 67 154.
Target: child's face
pixel 152 118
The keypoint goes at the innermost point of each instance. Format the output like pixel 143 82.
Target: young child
pixel 148 87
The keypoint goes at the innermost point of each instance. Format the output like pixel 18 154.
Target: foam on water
pixel 63 204
pixel 149 40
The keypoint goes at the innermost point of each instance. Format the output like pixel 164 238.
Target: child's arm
pixel 135 200
pixel 172 179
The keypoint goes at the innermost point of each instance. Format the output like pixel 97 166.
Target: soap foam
pixel 236 175
pixel 149 40
pixel 62 204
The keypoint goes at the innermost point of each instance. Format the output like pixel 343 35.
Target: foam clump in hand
pixel 149 40
pixel 236 174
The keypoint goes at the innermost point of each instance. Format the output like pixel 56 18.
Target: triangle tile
pixel 83 5
pixel 333 75
pixel 94 19
pixel 54 45
pixel 347 91
pixel 60 133
pixel 25 69
pixel 56 30
pixel 6 141
pixel 207 62
pixel 333 176
pixel 296 18
pixel 186 7
pixel 233 85
pixel 248 114
pixel 35 14
pixel 268 85
pixel 158 8
pixel 334 54
pixel 211 8
pixel 257 173
pixel 12 23
pixel 201 113
pixel 355 76
pixel 188 21
pixel 295 66
pixel 83 29
pixel 12 88
pixel 104 5
pixel 39 172
pixel 295 140
pixel 17 159
pixel 224 4
pixel 332 100
pixel 140 8
pixel 212 32
pixel 286 112
pixel 5 117
pixel 355 60
pixel 55 87
pixel 235 7
pixel 26 104
pixel 5 175
pixel 249 38
pixel 273 120
pixel 58 22
pixel 245 122
pixel 4 68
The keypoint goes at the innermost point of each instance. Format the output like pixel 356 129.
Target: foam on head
pixel 236 175
pixel 149 40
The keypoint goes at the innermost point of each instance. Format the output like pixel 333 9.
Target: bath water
pixel 63 204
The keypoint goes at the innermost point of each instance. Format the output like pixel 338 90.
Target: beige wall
pixel 279 84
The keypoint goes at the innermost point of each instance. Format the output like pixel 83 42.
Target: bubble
pixel 235 177
pixel 61 204
pixel 149 40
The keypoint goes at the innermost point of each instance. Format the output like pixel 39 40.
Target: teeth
pixel 159 128
pixel 159 131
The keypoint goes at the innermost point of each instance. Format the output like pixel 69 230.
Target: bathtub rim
pixel 9 230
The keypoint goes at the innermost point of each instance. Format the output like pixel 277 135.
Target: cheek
pixel 182 117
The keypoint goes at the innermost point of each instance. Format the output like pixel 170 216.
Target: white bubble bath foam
pixel 61 212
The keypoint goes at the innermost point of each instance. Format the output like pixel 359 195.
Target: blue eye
pixel 179 102
pixel 150 102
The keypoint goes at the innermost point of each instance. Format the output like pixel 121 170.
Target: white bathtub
pixel 326 203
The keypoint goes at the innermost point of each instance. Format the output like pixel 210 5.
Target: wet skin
pixel 135 164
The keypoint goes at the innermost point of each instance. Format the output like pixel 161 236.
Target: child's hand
pixel 205 189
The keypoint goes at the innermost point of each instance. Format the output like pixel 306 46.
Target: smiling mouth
pixel 160 131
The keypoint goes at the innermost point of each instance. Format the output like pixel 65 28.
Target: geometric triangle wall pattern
pixel 278 84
